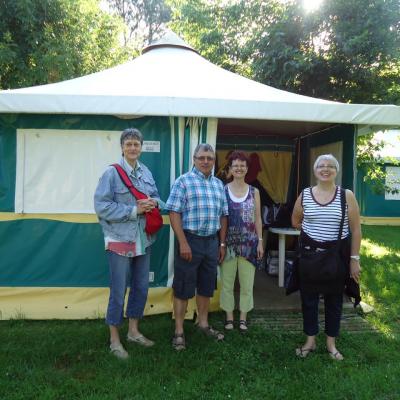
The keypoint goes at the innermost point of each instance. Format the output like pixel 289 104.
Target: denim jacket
pixel 116 207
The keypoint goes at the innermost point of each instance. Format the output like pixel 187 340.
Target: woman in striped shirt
pixel 318 213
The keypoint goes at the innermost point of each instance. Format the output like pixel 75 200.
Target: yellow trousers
pixel 246 272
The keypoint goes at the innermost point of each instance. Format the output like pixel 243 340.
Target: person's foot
pixel 139 339
pixel 335 354
pixel 178 342
pixel 117 350
pixel 211 332
pixel 228 326
pixel 243 326
pixel 305 350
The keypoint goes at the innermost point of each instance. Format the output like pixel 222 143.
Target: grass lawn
pixel 70 360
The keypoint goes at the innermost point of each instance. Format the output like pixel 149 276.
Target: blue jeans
pixel 124 272
pixel 333 313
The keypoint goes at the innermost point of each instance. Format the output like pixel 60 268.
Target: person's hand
pixel 355 269
pixel 185 251
pixel 222 252
pixel 153 202
pixel 144 206
pixel 260 250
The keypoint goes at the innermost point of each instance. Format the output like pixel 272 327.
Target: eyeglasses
pixel 205 158
pixel 239 166
pixel 326 166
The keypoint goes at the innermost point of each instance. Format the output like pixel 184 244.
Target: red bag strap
pixel 128 183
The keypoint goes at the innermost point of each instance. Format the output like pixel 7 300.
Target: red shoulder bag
pixel 154 220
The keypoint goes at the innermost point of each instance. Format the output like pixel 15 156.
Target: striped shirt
pixel 200 200
pixel 321 222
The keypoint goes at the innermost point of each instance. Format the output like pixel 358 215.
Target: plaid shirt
pixel 201 202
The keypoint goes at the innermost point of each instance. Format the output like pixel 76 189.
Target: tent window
pixel 58 170
pixel 336 149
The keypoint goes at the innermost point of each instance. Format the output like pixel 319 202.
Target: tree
pixel 144 19
pixel 347 50
pixel 43 41
pixel 218 30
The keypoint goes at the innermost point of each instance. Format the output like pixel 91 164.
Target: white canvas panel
pixel 393 181
pixel 336 149
pixel 58 170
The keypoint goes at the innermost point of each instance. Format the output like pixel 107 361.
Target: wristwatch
pixel 357 258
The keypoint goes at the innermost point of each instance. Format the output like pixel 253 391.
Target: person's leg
pixel 184 286
pixel 208 249
pixel 333 315
pixel 227 301
pixel 118 270
pixel 309 307
pixel 246 281
pixel 180 307
pixel 202 309
pixel 139 286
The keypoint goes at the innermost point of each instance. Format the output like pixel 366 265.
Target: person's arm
pixel 297 215
pixel 355 229
pixel 104 204
pixel 222 237
pixel 176 223
pixel 260 246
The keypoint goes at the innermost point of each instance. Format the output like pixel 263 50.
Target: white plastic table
pixel 282 232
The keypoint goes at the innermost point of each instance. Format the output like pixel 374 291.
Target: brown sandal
pixel 211 332
pixel 178 342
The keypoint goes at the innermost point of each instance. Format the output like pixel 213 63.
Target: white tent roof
pixel 171 79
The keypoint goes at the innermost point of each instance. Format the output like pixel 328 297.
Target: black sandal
pixel 228 326
pixel 243 326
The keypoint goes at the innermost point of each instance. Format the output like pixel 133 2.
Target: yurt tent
pixel 56 139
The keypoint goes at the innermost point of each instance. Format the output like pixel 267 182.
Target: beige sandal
pixel 303 352
pixel 142 340
pixel 118 351
pixel 336 355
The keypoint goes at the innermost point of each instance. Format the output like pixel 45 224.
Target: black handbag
pixel 327 265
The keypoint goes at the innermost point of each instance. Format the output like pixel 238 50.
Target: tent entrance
pixel 271 161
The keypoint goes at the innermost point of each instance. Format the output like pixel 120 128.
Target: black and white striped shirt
pixel 321 222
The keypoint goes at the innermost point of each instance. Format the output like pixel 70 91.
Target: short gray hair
pixel 203 147
pixel 329 157
pixel 131 133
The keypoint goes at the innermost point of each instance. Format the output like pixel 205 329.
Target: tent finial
pixel 168 39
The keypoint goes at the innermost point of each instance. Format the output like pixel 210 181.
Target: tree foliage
pixel 347 50
pixel 43 41
pixel 144 19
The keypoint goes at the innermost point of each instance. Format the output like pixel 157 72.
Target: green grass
pixel 70 359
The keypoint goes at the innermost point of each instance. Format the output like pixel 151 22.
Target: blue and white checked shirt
pixel 201 202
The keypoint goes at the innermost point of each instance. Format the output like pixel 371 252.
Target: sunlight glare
pixel 311 5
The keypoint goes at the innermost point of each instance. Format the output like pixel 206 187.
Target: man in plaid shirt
pixel 198 212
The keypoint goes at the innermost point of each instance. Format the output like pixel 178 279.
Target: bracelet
pixel 357 258
pixel 260 239
pixel 222 244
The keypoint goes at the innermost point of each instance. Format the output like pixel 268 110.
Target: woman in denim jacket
pixel 127 244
